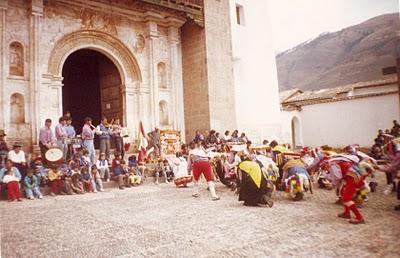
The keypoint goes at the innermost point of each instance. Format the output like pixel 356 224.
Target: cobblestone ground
pixel 163 221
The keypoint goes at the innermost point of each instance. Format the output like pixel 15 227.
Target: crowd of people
pixel 252 172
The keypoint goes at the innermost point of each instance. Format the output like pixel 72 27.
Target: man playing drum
pixel 46 137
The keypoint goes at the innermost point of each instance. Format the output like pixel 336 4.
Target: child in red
pixel 12 186
pixel 56 184
pixel 352 181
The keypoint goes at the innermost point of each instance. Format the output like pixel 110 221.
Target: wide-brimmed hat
pixel 2 133
pixel 17 144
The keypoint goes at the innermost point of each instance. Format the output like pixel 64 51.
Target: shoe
pixel 344 216
pixel 166 181
pixel 62 193
pixel 108 180
pixel 31 198
pixel 121 188
pixel 195 195
pixel 356 221
pixel 19 199
pixel 52 194
pixel 156 183
pixel 128 186
pixel 101 190
pixel 40 197
pixel 216 198
pixel 94 191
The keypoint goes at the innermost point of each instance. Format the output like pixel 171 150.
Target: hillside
pixel 356 53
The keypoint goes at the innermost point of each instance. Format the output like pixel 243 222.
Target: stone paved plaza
pixel 163 221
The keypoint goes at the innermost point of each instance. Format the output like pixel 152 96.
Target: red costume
pixel 352 181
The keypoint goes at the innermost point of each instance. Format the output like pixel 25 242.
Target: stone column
pixel 176 75
pixel 151 38
pixel 3 13
pixel 34 75
pixel 129 92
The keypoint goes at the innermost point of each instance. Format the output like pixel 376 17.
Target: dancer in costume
pixel 201 165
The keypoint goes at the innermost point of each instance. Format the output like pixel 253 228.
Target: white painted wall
pixel 346 122
pixel 256 82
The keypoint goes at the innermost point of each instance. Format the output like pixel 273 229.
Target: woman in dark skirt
pixel 255 188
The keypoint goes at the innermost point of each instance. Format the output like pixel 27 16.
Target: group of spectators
pixel 381 146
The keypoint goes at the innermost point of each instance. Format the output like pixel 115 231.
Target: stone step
pixel 45 190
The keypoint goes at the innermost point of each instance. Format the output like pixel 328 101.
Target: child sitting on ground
pixel 134 179
pixel 120 173
pixel 40 171
pixel 12 184
pixel 96 180
pixel 86 179
pixel 76 184
pixel 31 183
pixel 102 167
pixel 56 184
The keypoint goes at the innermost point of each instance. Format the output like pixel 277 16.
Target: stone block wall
pixel 195 84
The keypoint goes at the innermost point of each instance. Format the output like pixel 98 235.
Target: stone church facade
pixel 120 58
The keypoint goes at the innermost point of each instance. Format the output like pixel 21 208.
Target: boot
pixel 211 186
pixel 195 189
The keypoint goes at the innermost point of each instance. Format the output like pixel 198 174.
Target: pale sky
pixel 296 21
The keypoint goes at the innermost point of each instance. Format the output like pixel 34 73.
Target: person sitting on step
pixel 31 183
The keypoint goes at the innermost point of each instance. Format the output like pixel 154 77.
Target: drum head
pixel 54 155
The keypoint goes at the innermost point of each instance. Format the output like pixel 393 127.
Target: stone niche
pixel 16 64
pixel 17 109
pixel 163 110
pixel 162 75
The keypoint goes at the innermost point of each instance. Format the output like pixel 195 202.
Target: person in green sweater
pixel 31 183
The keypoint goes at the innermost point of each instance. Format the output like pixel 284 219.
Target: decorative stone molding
pixel 98 21
pixel 140 44
pixel 101 41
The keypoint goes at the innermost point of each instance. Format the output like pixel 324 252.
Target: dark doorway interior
pixel 91 87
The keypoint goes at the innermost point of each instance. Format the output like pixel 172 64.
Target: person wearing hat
pixel 3 148
pixel 17 156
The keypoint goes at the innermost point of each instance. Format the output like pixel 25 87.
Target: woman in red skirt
pixel 201 165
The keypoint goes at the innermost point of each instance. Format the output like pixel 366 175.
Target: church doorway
pixel 92 88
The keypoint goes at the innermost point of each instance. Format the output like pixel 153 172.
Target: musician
pixel 117 137
pixel 62 136
pixel 104 132
pixel 88 132
pixel 3 148
pixel 46 137
pixel 71 135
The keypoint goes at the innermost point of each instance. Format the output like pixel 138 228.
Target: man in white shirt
pixel 17 156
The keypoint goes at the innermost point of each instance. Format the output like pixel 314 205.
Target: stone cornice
pixel 140 12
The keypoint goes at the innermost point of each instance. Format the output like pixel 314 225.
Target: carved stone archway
pixel 100 41
pixel 111 47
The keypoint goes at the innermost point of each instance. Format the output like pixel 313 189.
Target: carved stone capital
pixel 152 29
pixel 3 4
pixel 36 7
pixel 173 35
